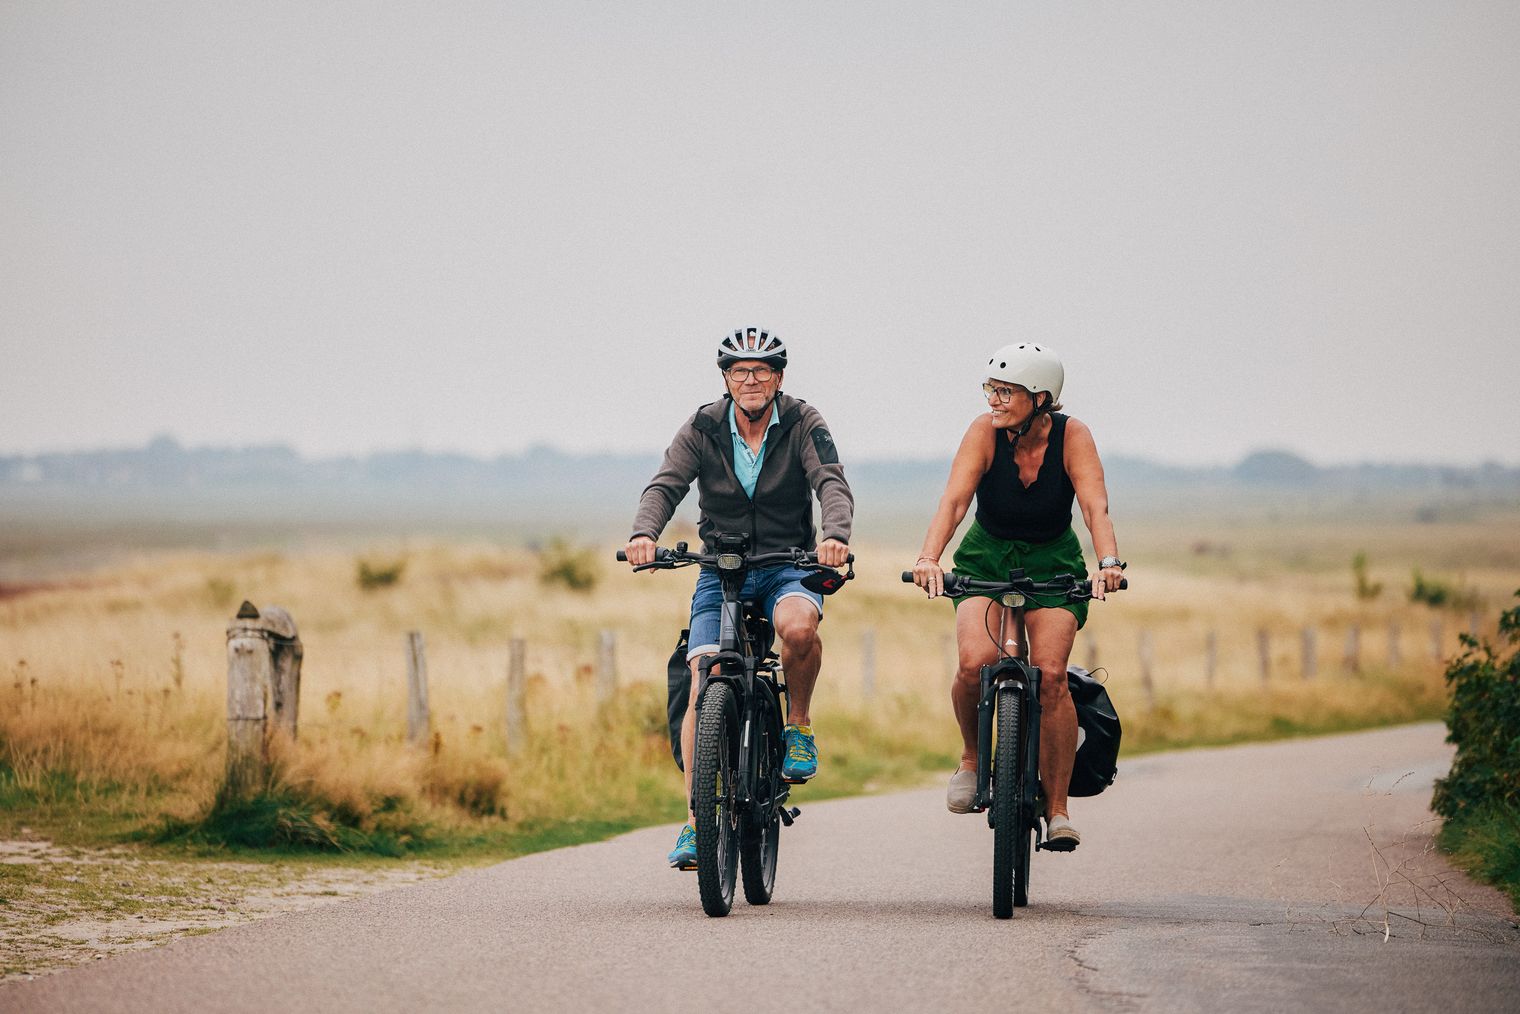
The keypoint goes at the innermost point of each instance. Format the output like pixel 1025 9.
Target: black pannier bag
pixel 677 694
pixel 678 681
pixel 1098 747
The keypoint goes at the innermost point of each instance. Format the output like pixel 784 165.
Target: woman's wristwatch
pixel 1111 561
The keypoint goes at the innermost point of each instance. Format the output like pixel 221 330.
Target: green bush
pixel 379 575
pixel 573 566
pixel 1439 594
pixel 1484 723
pixel 1480 798
pixel 1366 590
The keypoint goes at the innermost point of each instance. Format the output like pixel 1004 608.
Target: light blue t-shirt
pixel 747 462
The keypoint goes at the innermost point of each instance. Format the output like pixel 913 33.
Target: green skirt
pixel 983 557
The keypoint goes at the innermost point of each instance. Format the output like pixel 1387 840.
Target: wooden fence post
pixel 1210 658
pixel 1264 653
pixel 1436 640
pixel 253 640
pixel 516 680
pixel 1395 656
pixel 1147 659
pixel 606 666
pixel 417 718
pixel 1310 645
pixel 1472 624
pixel 868 664
pixel 1353 659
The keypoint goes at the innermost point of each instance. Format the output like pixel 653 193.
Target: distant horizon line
pixel 168 441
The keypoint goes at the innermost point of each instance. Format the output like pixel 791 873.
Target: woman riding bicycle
pixel 1024 462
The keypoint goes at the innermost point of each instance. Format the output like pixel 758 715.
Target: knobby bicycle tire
pixel 760 835
pixel 1010 829
pixel 1023 842
pixel 713 799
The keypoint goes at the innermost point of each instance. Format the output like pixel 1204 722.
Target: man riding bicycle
pixel 758 456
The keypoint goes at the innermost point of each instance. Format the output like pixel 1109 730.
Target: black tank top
pixel 1038 514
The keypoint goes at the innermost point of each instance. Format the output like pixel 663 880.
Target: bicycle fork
pixel 996 678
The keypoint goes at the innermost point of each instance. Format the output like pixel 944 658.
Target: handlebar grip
pixel 622 556
pixel 907 577
pixel 1123 583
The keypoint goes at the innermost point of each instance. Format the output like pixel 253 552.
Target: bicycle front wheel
pixel 761 835
pixel 713 793
pixel 1011 832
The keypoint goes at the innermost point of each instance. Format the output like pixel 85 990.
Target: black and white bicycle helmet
pixel 752 343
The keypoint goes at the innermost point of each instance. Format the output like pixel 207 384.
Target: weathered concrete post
pixel 1437 640
pixel 1310 647
pixel 1395 655
pixel 517 678
pixel 285 654
pixel 1210 658
pixel 606 666
pixel 1264 653
pixel 417 717
pixel 263 654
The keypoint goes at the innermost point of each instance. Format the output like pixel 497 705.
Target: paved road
pixel 1254 878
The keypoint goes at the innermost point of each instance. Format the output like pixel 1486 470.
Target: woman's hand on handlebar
pixel 639 551
pixel 1106 580
pixel 833 553
pixel 928 576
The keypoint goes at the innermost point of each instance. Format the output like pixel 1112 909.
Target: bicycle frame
pixel 739 663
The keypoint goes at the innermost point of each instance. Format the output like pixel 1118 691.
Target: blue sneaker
pixel 801 754
pixel 684 855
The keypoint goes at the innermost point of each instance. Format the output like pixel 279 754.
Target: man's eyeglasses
pixel 995 392
pixel 739 374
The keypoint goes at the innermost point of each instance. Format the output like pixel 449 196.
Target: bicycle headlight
pixel 730 561
pixel 1013 599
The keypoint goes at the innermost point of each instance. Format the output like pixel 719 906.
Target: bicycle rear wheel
pixel 761 834
pixel 713 790
pixel 1011 833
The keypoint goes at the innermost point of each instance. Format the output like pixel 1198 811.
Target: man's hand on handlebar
pixel 831 553
pixel 639 551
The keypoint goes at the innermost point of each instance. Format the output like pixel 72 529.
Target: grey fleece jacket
pixel 799 457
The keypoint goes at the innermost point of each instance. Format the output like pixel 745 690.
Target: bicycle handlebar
pixel 1073 586
pixel 669 557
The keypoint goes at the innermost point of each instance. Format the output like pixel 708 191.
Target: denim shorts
pixel 766 585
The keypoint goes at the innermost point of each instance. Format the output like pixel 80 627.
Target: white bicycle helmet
pixel 752 343
pixel 1033 367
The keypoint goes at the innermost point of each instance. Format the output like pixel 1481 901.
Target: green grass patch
pixel 284 821
pixel 1486 843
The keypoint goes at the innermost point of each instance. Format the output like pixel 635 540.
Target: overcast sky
pixel 484 226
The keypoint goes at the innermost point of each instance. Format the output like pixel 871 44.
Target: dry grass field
pixel 111 710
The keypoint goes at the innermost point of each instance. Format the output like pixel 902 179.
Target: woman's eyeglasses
pixel 995 392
